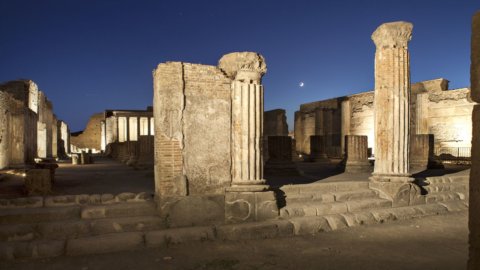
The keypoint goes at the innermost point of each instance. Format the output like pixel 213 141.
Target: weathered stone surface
pixel 176 236
pixel 392 82
pixel 118 210
pixel 64 229
pixel 26 202
pixel 38 181
pixel 29 250
pixel 357 154
pixel 192 210
pixel 127 224
pixel 401 194
pixel 90 138
pixel 192 106
pixel 257 230
pixel 233 62
pixel 474 217
pixel 421 151
pixel 275 123
pixel 34 215
pixel 250 206
pixel 105 243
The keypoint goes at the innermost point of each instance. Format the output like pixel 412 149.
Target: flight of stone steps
pixel 447 188
pixel 36 227
pixel 321 199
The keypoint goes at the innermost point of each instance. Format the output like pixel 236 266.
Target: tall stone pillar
pixel 345 125
pixel 420 151
pixel 4 128
pixel 248 198
pixel 357 154
pixel 474 206
pixel 318 149
pixel 391 114
pixel 392 95
pixel 247 131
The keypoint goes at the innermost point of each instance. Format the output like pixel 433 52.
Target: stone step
pixel 319 209
pixel 445 196
pixel 441 187
pixel 340 196
pixel 326 187
pixel 147 208
pixel 448 179
pixel 36 215
pixel 69 229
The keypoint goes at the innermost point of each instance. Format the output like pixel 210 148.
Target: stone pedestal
pixel 317 149
pixel 280 156
pixel 421 151
pixel 75 159
pixel 391 97
pixel 357 154
pixel 38 182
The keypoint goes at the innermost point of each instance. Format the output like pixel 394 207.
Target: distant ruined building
pixel 28 127
pixel 434 109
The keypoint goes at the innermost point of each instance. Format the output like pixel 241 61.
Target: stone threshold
pixel 123 241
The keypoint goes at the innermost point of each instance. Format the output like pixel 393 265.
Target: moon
pixel 301 84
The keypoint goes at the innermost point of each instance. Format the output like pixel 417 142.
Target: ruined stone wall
pixel 90 138
pixel 5 100
pixel 434 110
pixel 192 107
pixel 275 123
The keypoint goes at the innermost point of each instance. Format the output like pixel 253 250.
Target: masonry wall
pixel 90 138
pixel 275 123
pixel 192 129
pixel 434 110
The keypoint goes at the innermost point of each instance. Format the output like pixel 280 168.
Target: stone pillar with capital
pixel 391 173
pixel 248 198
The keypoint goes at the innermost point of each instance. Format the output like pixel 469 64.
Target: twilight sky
pixel 88 56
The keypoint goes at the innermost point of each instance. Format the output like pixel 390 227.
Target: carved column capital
pixel 393 35
pixel 246 67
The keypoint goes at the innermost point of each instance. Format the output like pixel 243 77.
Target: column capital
pixel 243 66
pixel 392 35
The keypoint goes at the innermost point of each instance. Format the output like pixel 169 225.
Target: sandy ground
pixel 438 242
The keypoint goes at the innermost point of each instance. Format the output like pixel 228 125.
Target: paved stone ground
pixel 109 176
pixel 436 242
pixel 104 176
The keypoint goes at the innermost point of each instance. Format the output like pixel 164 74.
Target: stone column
pixel 345 125
pixel 392 95
pixel 298 131
pixel 248 198
pixel 280 153
pixel 357 154
pixel 391 173
pixel 474 209
pixel 4 128
pixel 317 149
pixel 247 131
pixel 103 136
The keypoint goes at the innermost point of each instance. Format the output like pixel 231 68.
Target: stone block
pixel 257 230
pixel 310 225
pixel 30 250
pixel 175 236
pixel 250 206
pixel 119 210
pixel 26 202
pixel 35 215
pixel 126 224
pixel 401 194
pixel 105 243
pixel 186 211
pixel 38 181
pixel 17 232
pixel 64 229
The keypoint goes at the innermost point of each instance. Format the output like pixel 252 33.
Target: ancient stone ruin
pixel 474 218
pixel 28 127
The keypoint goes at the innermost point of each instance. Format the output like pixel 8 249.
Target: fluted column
pixel 247 131
pixel 4 131
pixel 392 95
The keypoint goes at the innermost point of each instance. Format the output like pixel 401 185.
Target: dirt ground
pixel 438 242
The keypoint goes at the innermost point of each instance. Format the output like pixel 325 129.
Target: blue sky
pixel 88 56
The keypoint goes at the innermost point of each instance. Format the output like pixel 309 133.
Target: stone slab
pixel 105 243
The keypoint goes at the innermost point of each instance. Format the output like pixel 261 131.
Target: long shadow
pixel 420 177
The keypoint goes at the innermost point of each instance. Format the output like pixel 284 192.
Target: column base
pixel 248 206
pixel 397 188
pixel 248 186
